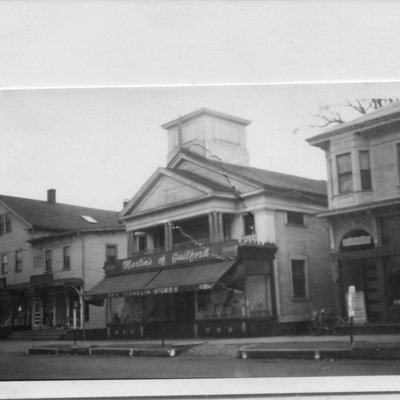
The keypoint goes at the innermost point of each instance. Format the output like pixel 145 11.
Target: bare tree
pixel 333 115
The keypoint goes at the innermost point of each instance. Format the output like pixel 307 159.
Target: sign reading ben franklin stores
pixel 211 252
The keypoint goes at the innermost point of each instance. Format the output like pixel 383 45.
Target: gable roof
pixel 59 217
pixel 262 177
pixel 236 180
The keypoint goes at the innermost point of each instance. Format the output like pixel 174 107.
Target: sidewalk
pixel 364 346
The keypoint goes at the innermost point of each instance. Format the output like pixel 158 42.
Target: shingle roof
pixel 58 216
pixel 268 178
pixel 204 181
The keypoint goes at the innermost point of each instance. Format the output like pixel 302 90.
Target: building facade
pixel 51 254
pixel 363 163
pixel 216 247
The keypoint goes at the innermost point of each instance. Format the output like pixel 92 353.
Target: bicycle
pixel 320 324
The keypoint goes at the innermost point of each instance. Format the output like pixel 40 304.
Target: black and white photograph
pixel 199 199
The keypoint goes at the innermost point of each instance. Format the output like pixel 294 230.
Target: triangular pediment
pixel 215 173
pixel 186 179
pixel 168 187
pixel 168 190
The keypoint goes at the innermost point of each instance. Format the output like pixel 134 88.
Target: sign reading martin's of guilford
pixel 178 257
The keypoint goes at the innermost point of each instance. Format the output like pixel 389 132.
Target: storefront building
pixel 223 289
pixel 363 160
pixel 50 254
pixel 215 247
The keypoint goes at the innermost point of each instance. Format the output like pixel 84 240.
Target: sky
pixel 86 85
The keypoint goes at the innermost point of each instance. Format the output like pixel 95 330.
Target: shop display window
pixel 220 303
pixel 257 295
pixel 393 280
pixel 159 308
pixel 132 310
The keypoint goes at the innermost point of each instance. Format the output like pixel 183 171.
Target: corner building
pixel 217 248
pixel 363 162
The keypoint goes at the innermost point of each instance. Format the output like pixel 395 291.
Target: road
pixel 19 366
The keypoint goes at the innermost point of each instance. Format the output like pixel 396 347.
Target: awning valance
pixel 171 280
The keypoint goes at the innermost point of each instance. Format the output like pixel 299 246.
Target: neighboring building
pixel 363 162
pixel 51 253
pixel 215 247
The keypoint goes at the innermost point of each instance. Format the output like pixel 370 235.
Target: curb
pixel 107 351
pixel 312 354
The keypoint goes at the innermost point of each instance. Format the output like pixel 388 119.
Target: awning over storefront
pixel 170 280
pixel 119 285
pixel 188 278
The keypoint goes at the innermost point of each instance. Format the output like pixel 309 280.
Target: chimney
pixel 125 202
pixel 51 196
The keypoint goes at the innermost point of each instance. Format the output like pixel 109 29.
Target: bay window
pixel 345 173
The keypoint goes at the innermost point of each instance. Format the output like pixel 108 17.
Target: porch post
pixel 67 306
pixel 54 301
pixel 216 227
pixel 168 236
pixel 211 227
pixel 221 227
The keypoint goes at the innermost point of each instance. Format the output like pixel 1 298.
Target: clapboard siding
pixel 384 158
pixel 95 255
pixel 312 244
pixel 9 244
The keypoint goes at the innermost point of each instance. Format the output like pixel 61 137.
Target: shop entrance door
pixel 184 314
pixel 373 291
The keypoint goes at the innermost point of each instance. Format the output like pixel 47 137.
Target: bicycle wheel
pixel 338 326
pixel 315 327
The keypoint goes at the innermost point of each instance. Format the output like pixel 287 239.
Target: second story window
pixel 142 243
pixel 295 218
pixel 18 261
pixel 5 223
pixel 8 223
pixel 345 174
pixel 47 260
pixel 66 257
pixel 111 252
pixel 4 263
pixel 249 224
pixel 365 171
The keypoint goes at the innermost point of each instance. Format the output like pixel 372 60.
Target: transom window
pixel 365 170
pixel 299 279
pixel 345 174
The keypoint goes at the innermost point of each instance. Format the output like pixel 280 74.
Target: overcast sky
pixel 86 85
